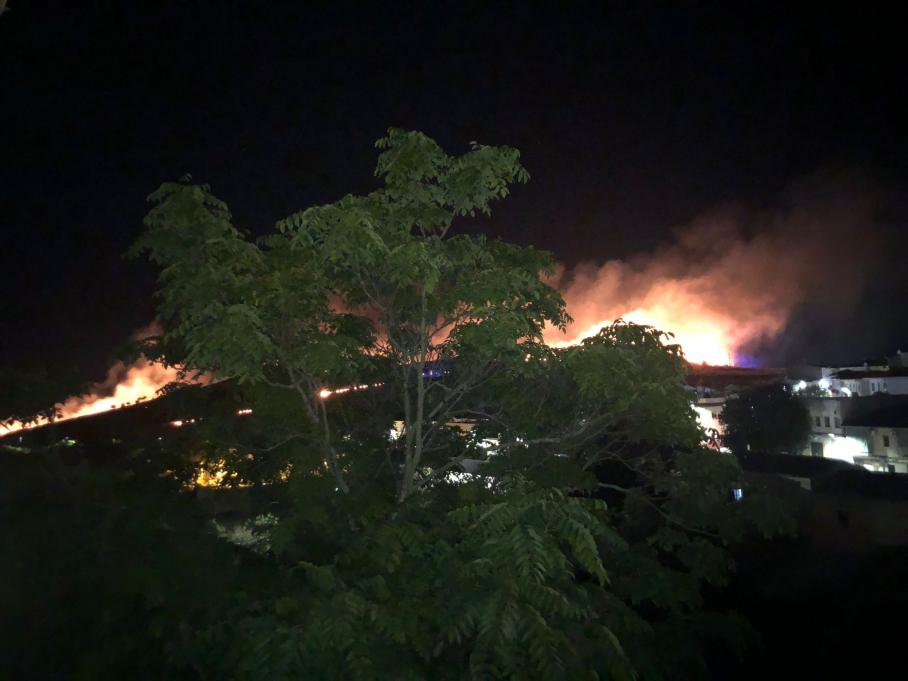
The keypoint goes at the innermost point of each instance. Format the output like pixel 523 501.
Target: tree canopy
pixel 481 505
pixel 768 418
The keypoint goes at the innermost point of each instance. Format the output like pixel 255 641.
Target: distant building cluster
pixel 858 414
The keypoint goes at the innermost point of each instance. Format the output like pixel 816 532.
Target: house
pixel 713 384
pixel 889 375
pixel 865 382
pixel 870 431
pixel 719 381
pixel 827 439
pixel 883 433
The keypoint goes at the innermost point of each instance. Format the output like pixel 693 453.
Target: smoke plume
pixel 732 279
pixel 124 385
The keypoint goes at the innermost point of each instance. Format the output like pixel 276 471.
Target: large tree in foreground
pixel 367 289
pixel 577 550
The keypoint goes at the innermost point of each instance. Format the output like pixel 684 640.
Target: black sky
pixel 631 121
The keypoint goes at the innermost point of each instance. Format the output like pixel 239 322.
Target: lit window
pixel 739 494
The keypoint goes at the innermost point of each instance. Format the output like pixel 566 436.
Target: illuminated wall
pixel 844 448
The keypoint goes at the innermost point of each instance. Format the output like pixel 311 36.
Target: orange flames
pixel 123 386
pixel 713 302
pixel 705 335
pixel 732 280
pixel 684 307
pixel 724 284
pixel 127 385
pixel 706 339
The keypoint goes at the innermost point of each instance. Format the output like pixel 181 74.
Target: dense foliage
pixel 484 506
pixel 768 419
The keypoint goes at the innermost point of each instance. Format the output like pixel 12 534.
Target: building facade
pixel 869 431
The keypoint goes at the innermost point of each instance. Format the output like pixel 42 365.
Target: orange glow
pixel 124 386
pixel 325 393
pixel 703 338
pixel 729 281
pixel 710 318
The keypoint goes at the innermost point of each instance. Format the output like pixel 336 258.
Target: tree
pixel 105 568
pixel 768 419
pixel 815 390
pixel 578 549
pixel 263 312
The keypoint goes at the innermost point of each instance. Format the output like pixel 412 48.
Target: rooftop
pixel 869 373
pixel 891 416
pixel 794 465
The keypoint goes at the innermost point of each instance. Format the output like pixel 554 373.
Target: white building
pixel 827 436
pixel 709 409
pixel 859 381
pixel 864 383
pixel 869 431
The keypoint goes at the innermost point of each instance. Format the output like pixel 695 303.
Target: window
pixel 886 441
pixel 826 422
pixel 873 387
pixel 739 493
pixel 838 422
pixel 817 421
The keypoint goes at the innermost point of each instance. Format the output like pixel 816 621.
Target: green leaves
pixel 768 418
pixel 382 565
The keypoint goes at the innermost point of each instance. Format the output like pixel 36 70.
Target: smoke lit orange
pixel 124 386
pixel 731 280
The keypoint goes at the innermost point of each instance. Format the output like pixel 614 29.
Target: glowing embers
pixel 325 393
pixel 179 423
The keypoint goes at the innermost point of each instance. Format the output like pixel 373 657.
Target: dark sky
pixel 630 121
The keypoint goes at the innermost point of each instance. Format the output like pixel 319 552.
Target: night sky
pixel 631 122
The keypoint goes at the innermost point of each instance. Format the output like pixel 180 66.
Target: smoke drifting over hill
pixel 123 386
pixel 731 280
